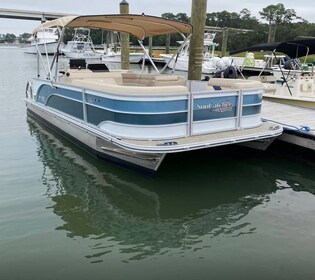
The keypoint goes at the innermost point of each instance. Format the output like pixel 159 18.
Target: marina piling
pixel 225 33
pixel 167 43
pixel 150 45
pixel 124 9
pixel 198 19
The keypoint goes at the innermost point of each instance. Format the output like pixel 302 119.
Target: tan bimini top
pixel 140 26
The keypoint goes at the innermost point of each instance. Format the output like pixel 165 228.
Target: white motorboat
pixel 298 91
pixel 292 81
pixel 210 64
pixel 136 119
pixel 81 45
pixel 45 41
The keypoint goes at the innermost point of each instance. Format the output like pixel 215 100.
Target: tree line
pixel 276 23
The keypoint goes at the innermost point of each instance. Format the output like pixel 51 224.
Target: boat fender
pixel 230 72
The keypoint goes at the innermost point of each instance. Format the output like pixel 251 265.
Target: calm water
pixel 226 213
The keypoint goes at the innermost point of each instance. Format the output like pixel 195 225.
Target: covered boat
pixel 293 79
pixel 292 48
pixel 136 119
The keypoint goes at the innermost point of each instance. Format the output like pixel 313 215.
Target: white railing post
pixel 239 109
pixel 190 112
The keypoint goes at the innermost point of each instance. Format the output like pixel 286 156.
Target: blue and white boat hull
pixel 136 126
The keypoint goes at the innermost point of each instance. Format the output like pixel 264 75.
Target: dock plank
pixel 294 120
pixel 289 115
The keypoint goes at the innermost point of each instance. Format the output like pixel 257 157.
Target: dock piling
pixel 124 9
pixel 198 19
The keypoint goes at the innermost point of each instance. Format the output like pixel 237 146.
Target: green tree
pixel 174 37
pixel 10 38
pixel 276 15
pixel 169 16
pixel 182 17
pixel 24 37
pixel 289 27
pixel 237 38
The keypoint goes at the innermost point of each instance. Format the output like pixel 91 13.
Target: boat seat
pixel 76 74
pixel 110 86
pixel 234 83
pixel 136 79
pixel 161 80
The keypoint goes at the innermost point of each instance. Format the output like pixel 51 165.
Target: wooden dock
pixel 298 123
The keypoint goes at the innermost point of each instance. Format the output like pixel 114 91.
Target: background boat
pixel 293 81
pixel 210 63
pixel 113 55
pixel 45 41
pixel 81 46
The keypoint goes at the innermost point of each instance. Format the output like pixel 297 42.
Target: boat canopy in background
pixel 293 49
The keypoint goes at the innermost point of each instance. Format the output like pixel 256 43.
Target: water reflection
pixel 194 196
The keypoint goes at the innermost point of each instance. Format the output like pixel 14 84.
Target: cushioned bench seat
pixel 151 80
pixel 75 74
pixel 128 82
pixel 234 83
pixel 109 85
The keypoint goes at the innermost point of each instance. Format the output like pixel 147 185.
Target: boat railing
pixel 205 113
pixel 197 108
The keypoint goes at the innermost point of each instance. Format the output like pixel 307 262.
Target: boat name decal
pixel 93 100
pixel 225 106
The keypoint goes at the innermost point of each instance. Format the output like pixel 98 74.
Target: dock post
pixel 124 9
pixel 198 20
pixel 150 45
pixel 167 43
pixel 224 41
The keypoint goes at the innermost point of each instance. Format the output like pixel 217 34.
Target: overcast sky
pixel 303 8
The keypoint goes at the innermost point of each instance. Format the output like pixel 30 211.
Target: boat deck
pixel 266 130
pixel 298 122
